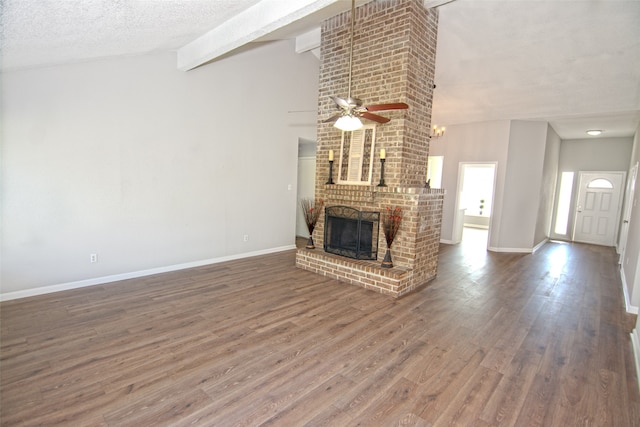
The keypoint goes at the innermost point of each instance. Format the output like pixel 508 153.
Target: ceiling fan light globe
pixel 348 123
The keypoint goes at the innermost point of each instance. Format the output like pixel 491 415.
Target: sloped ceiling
pixel 46 32
pixel 574 63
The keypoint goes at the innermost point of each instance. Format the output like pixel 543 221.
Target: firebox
pixel 351 233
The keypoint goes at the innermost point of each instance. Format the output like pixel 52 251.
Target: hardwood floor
pixel 496 339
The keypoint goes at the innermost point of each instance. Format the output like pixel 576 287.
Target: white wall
pixel 631 262
pixel 596 154
pixel 522 192
pixel 548 186
pixel 484 142
pixel 529 155
pixel 148 166
pixel 518 148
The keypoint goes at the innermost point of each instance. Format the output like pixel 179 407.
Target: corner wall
pixel 522 188
pixel 631 262
pixel 483 142
pixel 547 187
pixel 518 148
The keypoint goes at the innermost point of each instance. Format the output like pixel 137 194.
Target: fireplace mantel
pixel 369 193
pixel 337 188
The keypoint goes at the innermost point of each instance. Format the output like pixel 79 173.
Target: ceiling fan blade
pixel 332 118
pixel 354 102
pixel 374 117
pixel 342 103
pixel 391 106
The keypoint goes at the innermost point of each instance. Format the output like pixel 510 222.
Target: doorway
pixel 306 182
pixel 476 183
pixel 598 207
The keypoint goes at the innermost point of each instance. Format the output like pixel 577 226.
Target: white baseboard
pixel 635 342
pixel 512 250
pixel 132 275
pixel 627 301
pixel 539 245
pixel 496 249
pixel 478 226
pixel 448 242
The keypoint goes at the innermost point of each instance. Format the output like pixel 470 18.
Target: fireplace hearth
pixel 351 233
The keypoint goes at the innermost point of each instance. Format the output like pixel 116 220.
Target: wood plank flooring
pixel 496 340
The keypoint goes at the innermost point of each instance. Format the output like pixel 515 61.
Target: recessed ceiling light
pixel 594 132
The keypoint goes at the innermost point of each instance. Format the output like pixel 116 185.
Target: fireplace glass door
pixel 351 233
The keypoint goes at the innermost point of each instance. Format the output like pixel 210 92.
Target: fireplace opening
pixel 351 233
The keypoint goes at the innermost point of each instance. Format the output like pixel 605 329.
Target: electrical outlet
pixel 93 258
pixel 245 238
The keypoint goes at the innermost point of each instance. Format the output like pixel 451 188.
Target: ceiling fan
pixel 351 109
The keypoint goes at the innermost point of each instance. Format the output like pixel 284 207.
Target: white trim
pixel 308 41
pixel 134 274
pixel 539 245
pixel 627 301
pixel 635 343
pixel 448 242
pixel 495 249
pixel 513 250
pixel 263 18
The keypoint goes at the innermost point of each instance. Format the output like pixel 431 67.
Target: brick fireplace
pixel 393 61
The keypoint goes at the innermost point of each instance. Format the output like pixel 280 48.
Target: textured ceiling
pixel 45 32
pixel 574 63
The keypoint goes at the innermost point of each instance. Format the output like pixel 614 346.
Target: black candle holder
pixel 382 184
pixel 330 180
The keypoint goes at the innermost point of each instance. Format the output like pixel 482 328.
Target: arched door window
pixel 600 183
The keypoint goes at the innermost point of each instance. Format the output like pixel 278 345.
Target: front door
pixel 598 207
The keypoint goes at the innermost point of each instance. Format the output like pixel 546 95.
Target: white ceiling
pixel 574 63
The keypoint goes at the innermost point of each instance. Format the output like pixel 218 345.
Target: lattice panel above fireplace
pixel 357 153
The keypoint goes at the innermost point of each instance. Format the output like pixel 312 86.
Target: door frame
pixel 458 216
pixel 629 194
pixel 618 208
